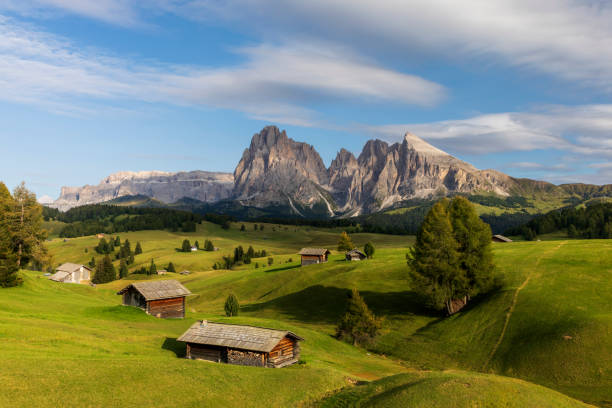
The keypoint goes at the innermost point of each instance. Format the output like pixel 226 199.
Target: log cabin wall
pixel 286 352
pixel 208 353
pixel 311 259
pixel 164 308
pixel 133 298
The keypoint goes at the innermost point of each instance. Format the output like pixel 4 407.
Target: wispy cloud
pixel 274 82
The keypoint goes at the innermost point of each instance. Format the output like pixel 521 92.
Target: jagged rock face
pixel 277 170
pixel 384 175
pixel 165 187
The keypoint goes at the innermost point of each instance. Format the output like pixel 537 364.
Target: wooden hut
pixel 241 345
pixel 71 273
pixel 501 238
pixel 355 255
pixel 163 298
pixel 314 255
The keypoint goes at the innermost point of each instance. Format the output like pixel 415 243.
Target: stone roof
pixel 235 336
pixel 502 238
pixel 59 276
pixel 161 289
pixel 71 267
pixel 314 251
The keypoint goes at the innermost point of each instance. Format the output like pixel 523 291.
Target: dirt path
pixel 513 304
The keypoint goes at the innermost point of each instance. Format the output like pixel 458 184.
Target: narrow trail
pixel 513 304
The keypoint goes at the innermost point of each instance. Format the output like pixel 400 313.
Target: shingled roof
pixel 161 289
pixel 315 251
pixel 502 238
pixel 71 267
pixel 235 336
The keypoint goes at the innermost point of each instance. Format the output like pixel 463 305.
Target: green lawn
pixel 558 333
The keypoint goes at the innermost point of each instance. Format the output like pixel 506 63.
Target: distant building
pixel 162 298
pixel 100 236
pixel 355 255
pixel 314 255
pixel 71 273
pixel 194 249
pixel 185 272
pixel 162 272
pixel 501 238
pixel 241 345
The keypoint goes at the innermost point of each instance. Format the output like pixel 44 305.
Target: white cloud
pixel 585 129
pixel 274 82
pixel 564 38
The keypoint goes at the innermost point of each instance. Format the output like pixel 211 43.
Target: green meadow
pixel 543 339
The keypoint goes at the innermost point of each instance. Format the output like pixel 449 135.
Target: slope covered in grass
pixel 450 389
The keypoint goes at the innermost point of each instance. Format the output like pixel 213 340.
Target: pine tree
pixel 270 261
pixel 345 243
pixel 138 249
pixel 170 267
pixel 473 237
pixel 186 247
pixel 434 260
pixel 208 245
pixel 232 307
pixel 117 241
pixel 197 245
pixel 250 253
pixel 242 228
pixel 254 227
pixel 105 271
pixel 152 268
pixel 571 231
pixel 130 260
pixel 369 250
pixel 24 225
pixel 103 247
pixel 238 254
pixel 358 325
pixel 123 269
pixel 8 260
pixel 92 263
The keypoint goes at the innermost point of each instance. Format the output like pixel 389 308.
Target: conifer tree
pixel 103 247
pixel 254 227
pixel 8 260
pixel 434 260
pixel 123 269
pixel 152 268
pixel 24 224
pixel 170 267
pixel 473 237
pixel 92 263
pixel 358 325
pixel 232 307
pixel 118 241
pixel 138 249
pixel 250 253
pixel 105 271
pixel 197 245
pixel 208 245
pixel 186 247
pixel 369 250
pixel 345 243
pixel 242 228
pixel 130 260
pixel 238 254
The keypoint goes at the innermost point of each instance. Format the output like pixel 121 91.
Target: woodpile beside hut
pixel 314 255
pixel 163 298
pixel 241 345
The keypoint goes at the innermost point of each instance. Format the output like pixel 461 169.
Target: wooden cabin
pixel 162 298
pixel 501 238
pixel 355 255
pixel 314 255
pixel 71 273
pixel 241 345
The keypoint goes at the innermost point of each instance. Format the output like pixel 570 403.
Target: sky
pixel 89 88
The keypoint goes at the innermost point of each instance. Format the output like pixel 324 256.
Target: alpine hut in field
pixel 163 298
pixel 71 273
pixel 314 255
pixel 355 255
pixel 501 238
pixel 241 345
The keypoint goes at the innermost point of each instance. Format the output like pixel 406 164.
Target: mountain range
pixel 278 172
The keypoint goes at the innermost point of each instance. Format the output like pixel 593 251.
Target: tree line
pixel 590 221
pixel 21 234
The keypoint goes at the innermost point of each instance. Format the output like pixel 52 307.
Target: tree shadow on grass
pixel 325 304
pixel 282 268
pixel 177 347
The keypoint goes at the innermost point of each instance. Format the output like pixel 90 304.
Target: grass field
pixel 549 324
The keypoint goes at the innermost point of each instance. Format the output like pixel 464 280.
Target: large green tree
pixel 232 307
pixel 105 271
pixel 473 237
pixel 434 260
pixel 25 227
pixel 8 260
pixel 345 243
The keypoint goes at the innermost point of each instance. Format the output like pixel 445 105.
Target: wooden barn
pixel 355 255
pixel 314 255
pixel 501 238
pixel 163 298
pixel 241 345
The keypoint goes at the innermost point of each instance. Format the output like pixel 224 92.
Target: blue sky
pixel 88 88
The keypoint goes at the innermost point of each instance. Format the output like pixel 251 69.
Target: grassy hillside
pixel 550 323
pixel 451 389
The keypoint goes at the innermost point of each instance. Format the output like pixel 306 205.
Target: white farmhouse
pixel 71 273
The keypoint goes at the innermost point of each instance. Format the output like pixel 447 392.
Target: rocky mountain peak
pixel 419 145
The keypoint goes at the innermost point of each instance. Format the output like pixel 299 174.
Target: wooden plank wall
pixel 200 352
pixel 285 352
pixel 164 308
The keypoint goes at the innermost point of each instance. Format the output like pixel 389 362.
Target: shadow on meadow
pixel 326 304
pixel 177 347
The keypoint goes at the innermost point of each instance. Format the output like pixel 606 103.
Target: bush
pixel 270 261
pixel 369 250
pixel 232 307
